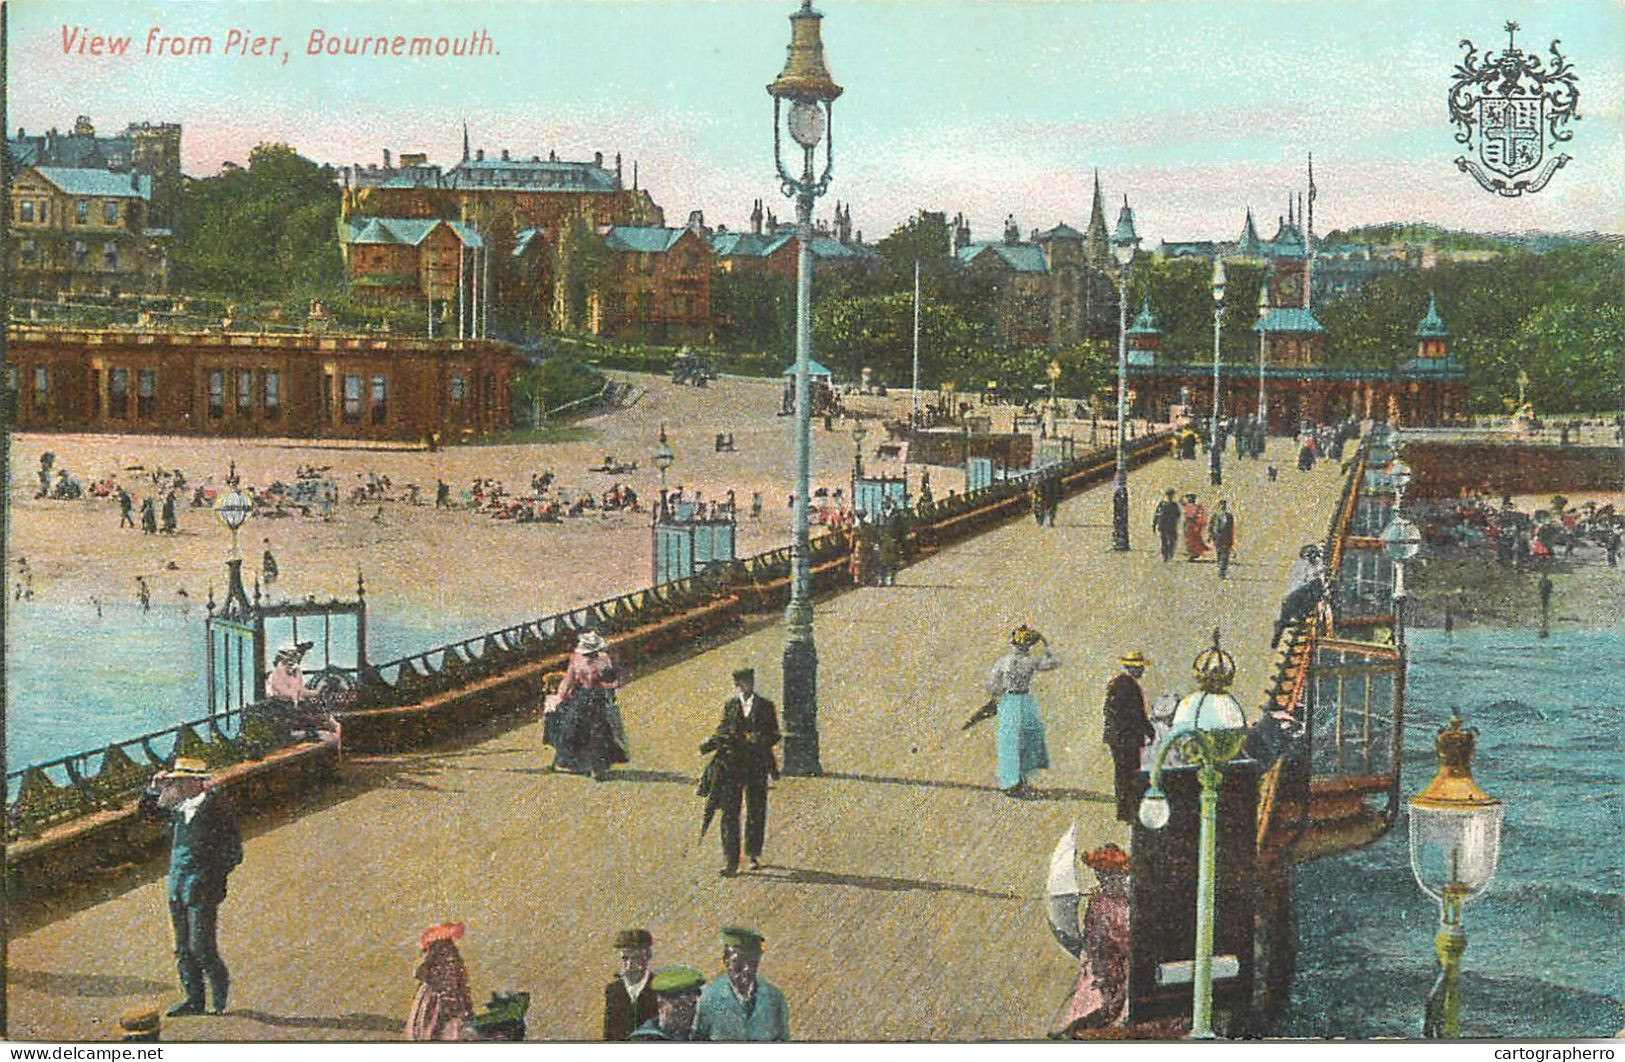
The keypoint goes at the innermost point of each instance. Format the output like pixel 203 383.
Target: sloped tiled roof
pixel 531 175
pixel 103 183
pixel 1446 368
pixel 642 239
pixel 1290 319
pixel 1062 231
pixel 523 239
pixel 813 368
pixel 1145 322
pixel 1432 326
pixel 408 231
pixel 1020 257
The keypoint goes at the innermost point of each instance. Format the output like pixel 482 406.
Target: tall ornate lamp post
pixel 663 461
pixel 1455 845
pixel 1124 244
pixel 859 433
pixel 1054 373
pixel 1263 399
pixel 1215 468
pixel 806 86
pixel 1209 729
pixel 1402 541
pixel 233 509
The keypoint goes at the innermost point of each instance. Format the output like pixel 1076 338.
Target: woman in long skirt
pixel 443 1004
pixel 1195 528
pixel 1100 995
pixel 1021 730
pixel 585 729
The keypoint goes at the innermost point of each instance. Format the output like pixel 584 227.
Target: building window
pixel 25 210
pixel 273 394
pixel 245 392
pixel 110 256
pixel 42 389
pixel 380 404
pixel 118 393
pixel 146 393
pixel 459 388
pixel 110 211
pixel 352 399
pixel 98 401
pixel 44 211
pixel 81 253
pixel 29 253
pixel 217 394
pixel 326 399
pixel 81 211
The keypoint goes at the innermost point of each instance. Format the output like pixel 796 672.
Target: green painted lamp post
pixel 1455 845
pixel 1209 729
pixel 1215 468
pixel 664 459
pixel 806 86
pixel 1263 341
pixel 233 509
pixel 1125 242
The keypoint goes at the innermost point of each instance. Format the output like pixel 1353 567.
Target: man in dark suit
pixel 1221 531
pixel 205 846
pixel 1166 523
pixel 1127 729
pixel 628 1000
pixel 744 759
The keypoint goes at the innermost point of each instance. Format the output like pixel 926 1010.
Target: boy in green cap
pixel 677 995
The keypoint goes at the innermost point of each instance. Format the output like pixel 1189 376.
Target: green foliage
pixel 580 259
pixel 557 381
pixel 877 332
pixel 1418 234
pixel 753 311
pixel 261 231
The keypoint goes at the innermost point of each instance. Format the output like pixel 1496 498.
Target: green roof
pixel 1020 257
pixel 103 183
pixel 641 239
pixel 1290 319
pixel 408 231
pixel 813 368
pixel 1447 368
pixel 1063 231
pixel 1432 326
pixel 1145 323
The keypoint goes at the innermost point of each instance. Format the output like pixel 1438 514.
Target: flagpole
pixel 916 407
pixel 1309 237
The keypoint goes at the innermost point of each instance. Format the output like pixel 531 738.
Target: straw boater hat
pixel 187 767
pixel 139 1024
pixel 443 931
pixel 590 641
pixel 1134 659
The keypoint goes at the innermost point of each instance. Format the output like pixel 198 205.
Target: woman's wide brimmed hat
pixel 1107 858
pixel 1024 637
pixel 1134 659
pixel 591 642
pixel 187 767
pixel 291 653
pixel 443 931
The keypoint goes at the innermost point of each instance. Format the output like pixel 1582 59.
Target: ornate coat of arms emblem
pixel 1517 107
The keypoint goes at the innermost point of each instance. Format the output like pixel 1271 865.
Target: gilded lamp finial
pixel 1215 669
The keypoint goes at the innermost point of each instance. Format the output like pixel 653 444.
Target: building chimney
pixel 386 158
pixel 617 169
pixel 1012 234
pixel 756 218
pixel 598 159
pixel 479 155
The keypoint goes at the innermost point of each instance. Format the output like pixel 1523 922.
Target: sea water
pixel 79 678
pixel 1545 940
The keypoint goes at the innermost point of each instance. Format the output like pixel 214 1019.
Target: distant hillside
pixel 1417 233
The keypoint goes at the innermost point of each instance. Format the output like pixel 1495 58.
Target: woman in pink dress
pixel 1195 528
pixel 1100 996
pixel 443 1004
pixel 584 724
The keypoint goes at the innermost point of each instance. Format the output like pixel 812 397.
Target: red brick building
pixel 229 384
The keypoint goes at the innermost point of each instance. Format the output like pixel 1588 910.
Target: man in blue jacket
pixel 205 846
pixel 740 1005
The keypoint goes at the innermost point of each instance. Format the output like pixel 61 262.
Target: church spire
pixel 1097 243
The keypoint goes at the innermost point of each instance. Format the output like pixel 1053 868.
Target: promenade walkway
pixel 903 897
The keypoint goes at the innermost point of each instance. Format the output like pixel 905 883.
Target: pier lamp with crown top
pixel 859 433
pixel 1209 730
pixel 663 461
pixel 806 86
pixel 233 509
pixel 1125 244
pixel 1401 540
pixel 1455 845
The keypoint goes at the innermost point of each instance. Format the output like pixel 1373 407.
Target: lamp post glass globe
pixel 807 123
pixel 1218 280
pixel 1154 810
pixel 1401 539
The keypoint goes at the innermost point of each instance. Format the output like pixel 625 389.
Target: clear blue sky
pixel 1195 110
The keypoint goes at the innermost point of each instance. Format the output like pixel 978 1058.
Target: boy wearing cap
pixel 629 1001
pixel 205 846
pixel 677 988
pixel 740 1005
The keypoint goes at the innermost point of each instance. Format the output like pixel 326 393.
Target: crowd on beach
pixel 1519 538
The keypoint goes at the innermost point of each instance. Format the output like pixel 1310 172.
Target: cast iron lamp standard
pixel 1209 729
pixel 805 84
pixel 1263 399
pixel 1054 373
pixel 859 433
pixel 663 461
pixel 233 509
pixel 1455 845
pixel 1215 470
pixel 1124 244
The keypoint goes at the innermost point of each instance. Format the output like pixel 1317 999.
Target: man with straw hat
pixel 1126 729
pixel 205 846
